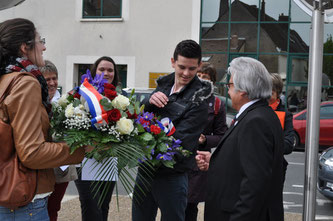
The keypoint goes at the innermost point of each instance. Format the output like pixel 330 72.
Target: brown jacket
pixel 30 123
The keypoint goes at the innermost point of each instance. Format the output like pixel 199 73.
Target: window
pixel 102 8
pixel 326 112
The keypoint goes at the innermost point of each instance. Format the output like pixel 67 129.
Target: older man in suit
pixel 245 172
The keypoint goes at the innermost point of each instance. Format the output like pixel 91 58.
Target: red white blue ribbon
pixel 93 98
pixel 169 129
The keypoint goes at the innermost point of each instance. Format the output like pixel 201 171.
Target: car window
pixel 326 112
pixel 301 117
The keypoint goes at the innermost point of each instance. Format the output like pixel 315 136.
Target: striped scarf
pixel 24 65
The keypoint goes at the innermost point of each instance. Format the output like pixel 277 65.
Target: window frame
pixel 101 16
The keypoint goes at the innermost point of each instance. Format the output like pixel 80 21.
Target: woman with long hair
pixel 27 110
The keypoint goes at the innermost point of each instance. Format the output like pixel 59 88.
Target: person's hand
pixel 158 99
pixel 203 158
pixel 202 139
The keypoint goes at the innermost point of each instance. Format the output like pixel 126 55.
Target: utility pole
pixel 312 117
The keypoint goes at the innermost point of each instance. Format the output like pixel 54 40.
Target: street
pixel 293 190
pixel 292 194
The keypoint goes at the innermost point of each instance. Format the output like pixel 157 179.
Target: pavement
pixel 70 210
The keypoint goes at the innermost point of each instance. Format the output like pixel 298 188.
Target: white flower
pixel 121 102
pixel 63 100
pixel 125 126
pixel 69 112
pixel 80 111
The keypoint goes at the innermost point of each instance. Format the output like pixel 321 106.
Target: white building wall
pixel 144 39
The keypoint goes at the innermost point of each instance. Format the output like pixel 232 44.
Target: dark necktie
pixel 233 121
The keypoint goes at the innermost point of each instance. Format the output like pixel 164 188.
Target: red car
pixel 326 125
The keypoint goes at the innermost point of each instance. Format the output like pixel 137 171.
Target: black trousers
pixel 91 209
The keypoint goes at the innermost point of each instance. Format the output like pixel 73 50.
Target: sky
pixel 273 9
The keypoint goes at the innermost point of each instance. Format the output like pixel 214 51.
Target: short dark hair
pixel 13 33
pixel 209 69
pixel 188 49
pixel 106 58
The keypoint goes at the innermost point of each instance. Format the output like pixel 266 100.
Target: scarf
pixel 24 65
pixel 275 104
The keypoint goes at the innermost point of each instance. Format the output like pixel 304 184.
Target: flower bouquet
pixel 155 136
pixel 97 114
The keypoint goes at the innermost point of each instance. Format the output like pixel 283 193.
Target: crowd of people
pixel 242 179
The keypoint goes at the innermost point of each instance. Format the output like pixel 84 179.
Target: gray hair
pixel 49 67
pixel 250 75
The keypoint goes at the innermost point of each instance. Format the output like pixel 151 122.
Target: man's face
pixel 185 69
pixel 236 96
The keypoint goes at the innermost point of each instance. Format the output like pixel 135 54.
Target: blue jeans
pixel 34 211
pixel 169 193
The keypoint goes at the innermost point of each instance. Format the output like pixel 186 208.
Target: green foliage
pixel 106 104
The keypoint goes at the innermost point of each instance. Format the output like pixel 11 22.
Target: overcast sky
pixel 273 8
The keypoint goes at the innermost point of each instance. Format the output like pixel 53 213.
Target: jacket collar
pixel 201 89
pixel 239 119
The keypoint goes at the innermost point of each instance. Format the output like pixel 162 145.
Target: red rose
pixel 131 116
pixel 155 129
pixel 111 94
pixel 77 95
pixel 109 86
pixel 113 115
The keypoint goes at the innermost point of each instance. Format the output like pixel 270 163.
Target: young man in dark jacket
pixel 182 97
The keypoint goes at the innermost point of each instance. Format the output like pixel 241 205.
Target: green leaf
pixel 107 105
pixel 142 108
pixel 162 147
pixel 146 137
pixel 168 163
pixel 76 102
pixel 140 128
pixel 131 109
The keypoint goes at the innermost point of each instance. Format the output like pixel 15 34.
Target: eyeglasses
pixel 228 85
pixel 42 41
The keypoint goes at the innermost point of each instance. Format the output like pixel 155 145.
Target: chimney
pixel 263 11
pixel 234 42
pixel 224 7
pixel 283 17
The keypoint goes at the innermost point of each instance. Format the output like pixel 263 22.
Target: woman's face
pixel 273 98
pixel 52 83
pixel 204 76
pixel 107 68
pixel 35 55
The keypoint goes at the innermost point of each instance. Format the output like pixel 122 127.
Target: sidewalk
pixel 70 210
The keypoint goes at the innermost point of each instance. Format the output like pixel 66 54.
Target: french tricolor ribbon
pixel 169 129
pixel 93 98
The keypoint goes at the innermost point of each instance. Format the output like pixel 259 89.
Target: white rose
pixel 125 126
pixel 69 112
pixel 63 100
pixel 120 102
pixel 79 111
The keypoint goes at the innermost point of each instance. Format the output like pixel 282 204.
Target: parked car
pixel 325 173
pixel 140 93
pixel 326 125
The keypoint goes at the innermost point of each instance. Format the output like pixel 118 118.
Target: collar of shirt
pixel 243 108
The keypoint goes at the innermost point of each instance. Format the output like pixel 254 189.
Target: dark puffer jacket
pixel 188 110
